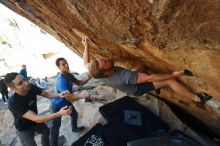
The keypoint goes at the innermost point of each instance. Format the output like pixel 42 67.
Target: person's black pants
pixel 56 123
pixel 27 137
pixel 4 95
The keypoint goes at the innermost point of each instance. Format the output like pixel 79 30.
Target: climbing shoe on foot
pixel 204 97
pixel 187 72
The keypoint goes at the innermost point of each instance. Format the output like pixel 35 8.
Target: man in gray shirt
pixel 125 81
pixel 134 82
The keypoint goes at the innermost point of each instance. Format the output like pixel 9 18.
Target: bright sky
pixel 28 45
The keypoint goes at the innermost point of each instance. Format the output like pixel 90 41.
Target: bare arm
pixel 143 77
pixel 86 58
pixel 49 94
pixel 53 95
pixel 83 82
pixel 30 115
pixel 72 97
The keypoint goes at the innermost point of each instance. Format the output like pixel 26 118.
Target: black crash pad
pixel 151 124
pixel 175 138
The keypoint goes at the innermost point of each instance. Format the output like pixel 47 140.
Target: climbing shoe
pixel 187 72
pixel 204 97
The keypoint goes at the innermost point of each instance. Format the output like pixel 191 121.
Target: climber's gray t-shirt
pixel 126 81
pixel 123 80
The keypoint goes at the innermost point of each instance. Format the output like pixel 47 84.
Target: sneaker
pixel 78 129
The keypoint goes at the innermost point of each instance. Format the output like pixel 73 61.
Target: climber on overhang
pixel 137 83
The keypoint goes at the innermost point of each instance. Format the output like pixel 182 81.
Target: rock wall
pixel 165 35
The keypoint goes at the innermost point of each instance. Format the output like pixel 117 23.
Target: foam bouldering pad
pixel 175 138
pixel 92 137
pixel 111 134
pixel 150 123
pixel 117 133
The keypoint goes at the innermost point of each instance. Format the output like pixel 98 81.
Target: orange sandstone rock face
pixel 166 35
